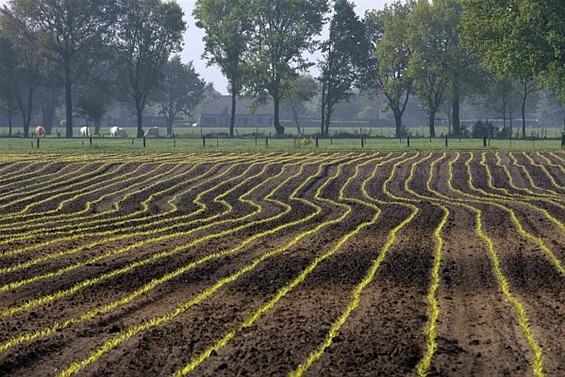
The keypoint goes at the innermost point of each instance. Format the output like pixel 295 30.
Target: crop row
pixel 255 197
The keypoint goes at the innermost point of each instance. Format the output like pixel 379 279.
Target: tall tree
pixel 283 30
pixel 149 32
pixel 428 37
pixel 227 24
pixel 341 59
pixel 503 96
pixel 70 30
pixel 7 76
pixel 96 91
pixel 520 39
pixel 180 92
pixel 304 88
pixel 28 77
pixel 387 32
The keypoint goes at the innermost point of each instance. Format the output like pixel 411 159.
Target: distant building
pixel 217 113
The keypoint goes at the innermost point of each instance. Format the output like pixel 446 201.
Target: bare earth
pixel 265 264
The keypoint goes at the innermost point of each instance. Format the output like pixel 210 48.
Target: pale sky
pixel 193 45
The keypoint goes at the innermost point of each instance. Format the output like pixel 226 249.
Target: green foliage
pixel 227 24
pixel 550 113
pixel 7 74
pixel 522 39
pixel 149 32
pixel 68 32
pixel 483 129
pixel 180 92
pixel 429 36
pixel 283 30
pixel 392 55
pixel 342 54
pixel 25 66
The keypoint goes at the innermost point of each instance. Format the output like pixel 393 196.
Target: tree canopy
pixel 282 31
pixel 522 39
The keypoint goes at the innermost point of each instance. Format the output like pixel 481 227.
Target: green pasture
pixel 264 143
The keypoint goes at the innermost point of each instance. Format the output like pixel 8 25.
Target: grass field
pixel 261 143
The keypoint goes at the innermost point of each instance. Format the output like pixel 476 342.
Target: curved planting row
pixel 283 264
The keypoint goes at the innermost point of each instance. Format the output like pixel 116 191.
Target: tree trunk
pixel 329 107
pixel 455 109
pixel 295 116
pixel 10 117
pixel 511 122
pixel 432 125
pixel 169 121
pixel 48 114
pixel 97 124
pixel 139 112
pixel 232 114
pixel 398 123
pixel 29 108
pixel 323 122
pixel 524 97
pixel 329 111
pixel 279 129
pixel 68 100
pixel 504 112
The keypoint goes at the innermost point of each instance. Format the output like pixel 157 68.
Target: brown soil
pixel 272 248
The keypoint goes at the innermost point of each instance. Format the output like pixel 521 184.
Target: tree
pixel 549 112
pixel 7 76
pixel 391 56
pixel 517 38
pixel 70 30
pixel 502 96
pixel 149 32
pixel 341 59
pixel 27 74
pixel 208 94
pixel 227 26
pixel 520 39
pixel 428 40
pixel 96 92
pixel 304 89
pixel 181 91
pixel 283 30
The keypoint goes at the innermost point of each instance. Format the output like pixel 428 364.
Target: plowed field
pixel 276 264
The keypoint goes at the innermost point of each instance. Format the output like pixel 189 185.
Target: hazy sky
pixel 194 47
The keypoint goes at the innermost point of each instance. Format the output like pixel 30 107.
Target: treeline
pixel 445 52
pixel 94 51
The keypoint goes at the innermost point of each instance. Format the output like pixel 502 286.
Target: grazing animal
pixel 152 131
pixel 39 131
pixel 118 132
pixel 85 131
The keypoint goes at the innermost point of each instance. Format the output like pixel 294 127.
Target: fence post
pixel 317 142
pixel 563 141
pixel 484 141
pixel 90 139
pixel 37 143
pixel 217 141
pixel 203 141
pixel 144 142
pixel 267 141
pixel 408 141
pixel 446 141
